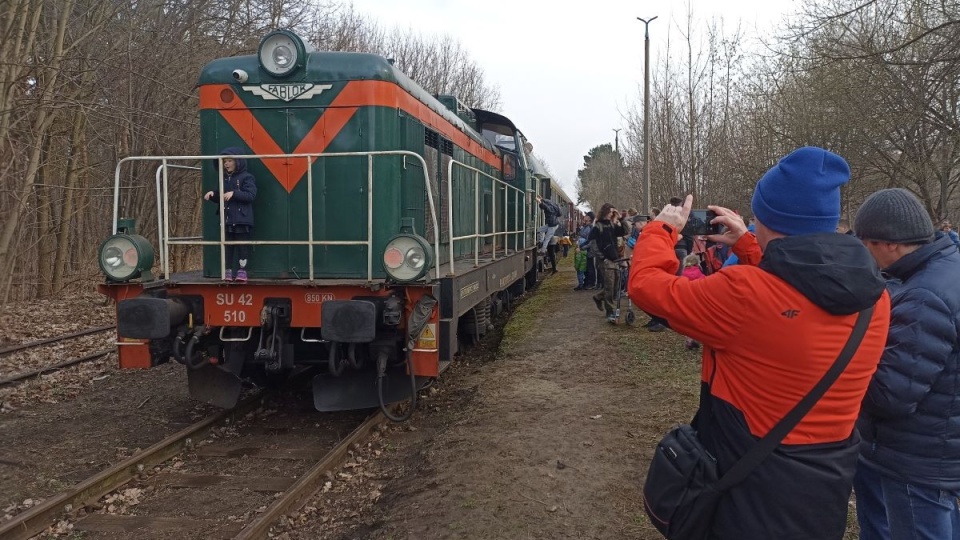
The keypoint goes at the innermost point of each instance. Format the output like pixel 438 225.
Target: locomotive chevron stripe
pixel 357 94
pixel 288 171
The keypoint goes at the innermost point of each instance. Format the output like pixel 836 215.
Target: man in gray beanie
pixel 908 475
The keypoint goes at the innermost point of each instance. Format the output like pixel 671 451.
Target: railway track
pixel 21 377
pixel 48 341
pixel 202 490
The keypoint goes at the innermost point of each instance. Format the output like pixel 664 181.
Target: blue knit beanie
pixel 801 193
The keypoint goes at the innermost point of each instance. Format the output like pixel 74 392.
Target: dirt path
pixel 546 438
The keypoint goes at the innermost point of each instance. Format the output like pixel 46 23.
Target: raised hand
pixel 733 223
pixel 676 216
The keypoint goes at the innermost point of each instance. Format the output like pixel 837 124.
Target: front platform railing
pixel 163 207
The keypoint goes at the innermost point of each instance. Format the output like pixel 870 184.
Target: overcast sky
pixel 566 75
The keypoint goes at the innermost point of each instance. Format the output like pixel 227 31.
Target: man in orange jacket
pixel 771 327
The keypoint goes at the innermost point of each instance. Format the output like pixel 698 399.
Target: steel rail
pixel 308 484
pixel 35 520
pixel 46 341
pixel 21 377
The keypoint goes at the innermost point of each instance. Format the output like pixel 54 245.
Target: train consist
pixel 391 227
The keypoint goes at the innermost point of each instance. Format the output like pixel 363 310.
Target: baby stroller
pixel 629 316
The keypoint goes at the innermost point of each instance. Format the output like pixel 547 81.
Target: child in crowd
pixel 692 271
pixel 565 244
pixel 580 265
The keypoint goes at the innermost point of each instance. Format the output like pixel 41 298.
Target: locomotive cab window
pixel 500 136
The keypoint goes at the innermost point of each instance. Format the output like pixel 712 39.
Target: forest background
pixel 84 83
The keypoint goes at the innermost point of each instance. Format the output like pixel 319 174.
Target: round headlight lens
pixel 113 257
pixel 407 257
pixel 282 56
pixel 415 257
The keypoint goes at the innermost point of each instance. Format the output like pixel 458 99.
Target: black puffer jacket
pixel 910 421
pixel 605 234
pixel 244 187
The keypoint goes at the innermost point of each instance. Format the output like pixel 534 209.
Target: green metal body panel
pixel 341 194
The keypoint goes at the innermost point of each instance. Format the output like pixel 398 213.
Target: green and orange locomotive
pixel 391 227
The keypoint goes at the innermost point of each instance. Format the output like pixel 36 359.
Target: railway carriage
pixel 391 227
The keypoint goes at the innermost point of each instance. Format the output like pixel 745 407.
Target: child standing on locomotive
pixel 240 190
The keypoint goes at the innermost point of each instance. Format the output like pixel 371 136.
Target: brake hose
pixel 194 361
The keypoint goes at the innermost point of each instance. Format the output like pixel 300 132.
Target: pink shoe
pixel 241 276
pixel 228 276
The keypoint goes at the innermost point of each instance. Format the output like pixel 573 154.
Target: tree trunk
pixel 45 238
pixel 70 188
pixel 44 118
pixel 15 45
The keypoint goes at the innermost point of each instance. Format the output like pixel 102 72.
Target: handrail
pixel 163 222
pixel 476 236
pixel 161 233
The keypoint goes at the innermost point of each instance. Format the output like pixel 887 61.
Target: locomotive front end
pixel 377 226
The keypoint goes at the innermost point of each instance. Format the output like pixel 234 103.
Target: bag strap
pixel 765 446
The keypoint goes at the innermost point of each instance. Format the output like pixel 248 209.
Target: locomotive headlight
pixel 283 57
pixel 282 52
pixel 125 256
pixel 407 257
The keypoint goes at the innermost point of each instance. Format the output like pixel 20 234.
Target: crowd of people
pixel 773 300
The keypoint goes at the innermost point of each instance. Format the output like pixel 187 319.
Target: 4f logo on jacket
pixel 791 313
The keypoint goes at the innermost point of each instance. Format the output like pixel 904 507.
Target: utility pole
pixel 616 140
pixel 646 112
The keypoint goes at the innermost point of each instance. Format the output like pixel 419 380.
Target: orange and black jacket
pixel 771 327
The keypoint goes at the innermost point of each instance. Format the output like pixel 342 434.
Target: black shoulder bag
pixel 683 485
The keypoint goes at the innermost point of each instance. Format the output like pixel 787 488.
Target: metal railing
pixel 163 215
pixel 519 201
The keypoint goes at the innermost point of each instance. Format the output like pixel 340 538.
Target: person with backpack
pixel 551 219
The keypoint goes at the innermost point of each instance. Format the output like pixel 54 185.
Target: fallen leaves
pixel 119 502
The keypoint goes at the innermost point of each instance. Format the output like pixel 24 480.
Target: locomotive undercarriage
pixel 358 356
pixel 345 374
